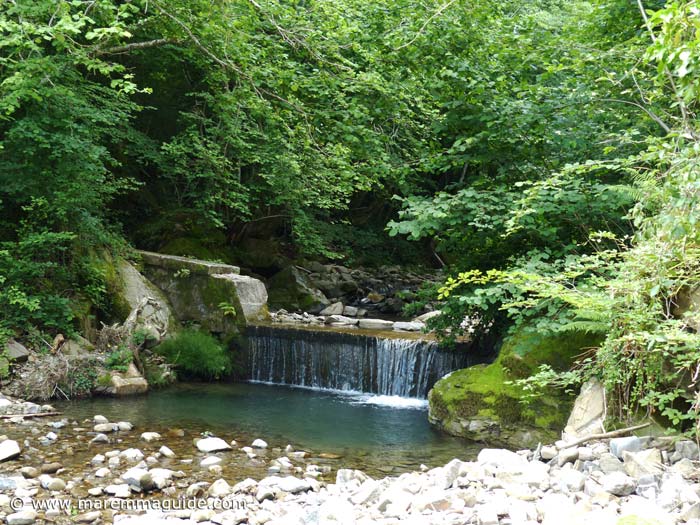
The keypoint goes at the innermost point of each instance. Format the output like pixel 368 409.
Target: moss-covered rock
pixel 292 290
pixel 482 404
pixel 210 294
pixel 195 247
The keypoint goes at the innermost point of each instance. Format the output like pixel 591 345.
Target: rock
pixel 426 316
pixel 643 463
pixel 130 383
pixel 131 454
pixel 23 517
pixel 29 472
pixel 292 485
pixel 9 449
pixel 571 480
pixel 161 477
pixel 341 320
pixel 138 478
pixel 150 436
pixel 333 309
pixel 212 444
pixel 102 472
pixel 259 443
pixel 166 452
pixel 53 484
pixel 350 311
pixel 401 326
pixel 100 438
pixel 125 426
pixel 209 461
pixel 16 351
pixel 291 289
pixel 97 459
pixel 247 486
pixel 625 444
pixel 100 420
pixel 548 452
pixel 376 324
pixel 589 411
pixel 219 489
pixel 609 463
pixel 685 450
pixel 618 484
pixel 499 457
pixel 118 491
pixel 482 403
pixel 105 427
pixel 567 455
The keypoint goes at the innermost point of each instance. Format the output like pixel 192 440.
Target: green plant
pixel 228 309
pixel 119 359
pixel 196 354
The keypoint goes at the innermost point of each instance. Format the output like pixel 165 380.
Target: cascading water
pixel 348 361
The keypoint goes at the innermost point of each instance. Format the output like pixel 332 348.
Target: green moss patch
pixel 487 393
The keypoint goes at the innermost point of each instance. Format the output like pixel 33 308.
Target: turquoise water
pixel 368 431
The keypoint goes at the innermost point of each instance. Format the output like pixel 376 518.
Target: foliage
pixel 119 360
pixel 637 290
pixel 196 355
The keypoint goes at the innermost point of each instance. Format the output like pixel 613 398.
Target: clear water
pixel 375 433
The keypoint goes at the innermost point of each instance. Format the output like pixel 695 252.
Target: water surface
pixel 375 433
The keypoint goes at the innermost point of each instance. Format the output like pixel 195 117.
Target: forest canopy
pixel 543 151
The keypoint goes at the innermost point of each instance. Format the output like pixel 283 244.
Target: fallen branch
pixel 606 435
pixel 40 414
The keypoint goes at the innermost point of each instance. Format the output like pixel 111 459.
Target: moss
pixel 104 380
pixel 486 393
pixel 195 247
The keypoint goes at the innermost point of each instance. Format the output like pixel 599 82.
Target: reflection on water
pixel 370 432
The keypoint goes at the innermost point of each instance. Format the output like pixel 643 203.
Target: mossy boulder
pixel 207 293
pixel 482 404
pixel 214 249
pixel 291 289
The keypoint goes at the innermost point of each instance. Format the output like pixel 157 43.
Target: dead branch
pixel 606 435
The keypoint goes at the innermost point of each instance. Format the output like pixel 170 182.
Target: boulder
pixel 618 446
pixel 9 449
pixel 291 289
pixel 618 484
pixel 589 411
pixel 643 463
pixel 336 320
pixel 16 351
pixel 333 309
pixel 23 517
pixel 214 295
pixel 483 403
pixel 136 292
pixel 212 444
pixel 127 383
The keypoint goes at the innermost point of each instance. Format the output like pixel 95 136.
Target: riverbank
pixel 622 481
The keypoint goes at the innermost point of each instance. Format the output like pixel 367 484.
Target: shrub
pixel 196 355
pixel 120 359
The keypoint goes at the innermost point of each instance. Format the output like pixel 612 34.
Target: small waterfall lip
pixel 391 369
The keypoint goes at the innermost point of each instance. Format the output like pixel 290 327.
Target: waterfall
pixel 347 361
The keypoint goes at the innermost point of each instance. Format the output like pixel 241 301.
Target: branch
pixel 606 435
pixel 136 45
pixel 425 24
pixel 651 115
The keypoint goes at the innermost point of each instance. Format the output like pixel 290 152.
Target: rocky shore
pixel 177 479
